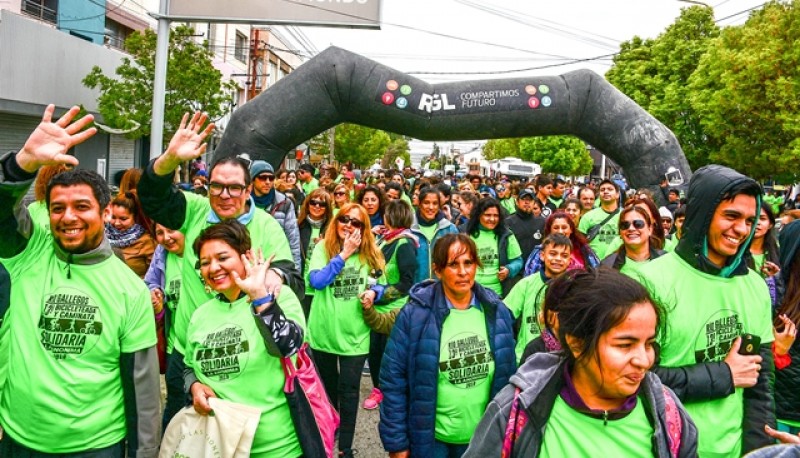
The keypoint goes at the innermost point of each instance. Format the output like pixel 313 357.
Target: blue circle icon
pixel 547 101
pixel 401 102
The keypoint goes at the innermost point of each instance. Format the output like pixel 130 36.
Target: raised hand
pixel 256 268
pixel 186 144
pixel 49 143
pixel 784 339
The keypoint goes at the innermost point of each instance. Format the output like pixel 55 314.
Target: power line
pixel 501 72
pixel 105 12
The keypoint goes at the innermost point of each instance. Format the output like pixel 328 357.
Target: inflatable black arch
pixel 338 86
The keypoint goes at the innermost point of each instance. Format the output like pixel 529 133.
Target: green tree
pixel 654 73
pixel 747 92
pixel 193 84
pixel 359 144
pixel 559 154
pixel 501 147
pixel 398 148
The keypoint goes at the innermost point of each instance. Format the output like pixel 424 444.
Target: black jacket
pixel 305 238
pixel 787 380
pixel 528 229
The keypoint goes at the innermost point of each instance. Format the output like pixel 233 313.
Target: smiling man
pixel 229 197
pixel 78 360
pixel 712 299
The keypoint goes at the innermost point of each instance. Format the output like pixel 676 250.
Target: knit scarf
pixel 314 223
pixel 397 234
pixel 423 222
pixel 266 200
pixel 126 238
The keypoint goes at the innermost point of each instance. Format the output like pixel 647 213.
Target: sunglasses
pixel 317 203
pixel 637 223
pixel 356 223
pixel 265 178
pixel 338 193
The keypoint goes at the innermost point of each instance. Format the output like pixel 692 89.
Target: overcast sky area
pixel 452 40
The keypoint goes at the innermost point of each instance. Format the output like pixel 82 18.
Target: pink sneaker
pixel 373 400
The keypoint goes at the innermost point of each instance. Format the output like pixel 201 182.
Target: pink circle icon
pixel 387 98
pixel 533 102
pixel 392 85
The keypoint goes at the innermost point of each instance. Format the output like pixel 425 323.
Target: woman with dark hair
pixel 764 253
pixel 785 347
pixel 315 214
pixel 451 350
pixel 572 207
pixel 399 248
pixel 498 248
pixel 430 226
pixel 235 341
pixel 581 255
pixel 655 217
pixel 373 200
pixel 128 233
pixel 600 385
pixel 346 270
pixel 639 243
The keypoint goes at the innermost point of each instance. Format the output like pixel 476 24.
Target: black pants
pixel 377 346
pixel 341 376
pixel 176 397
pixel 9 448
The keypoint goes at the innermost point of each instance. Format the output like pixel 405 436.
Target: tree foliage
pixel 193 84
pixel 654 73
pixel 558 154
pixel 747 93
pixel 398 148
pixel 500 148
pixel 359 144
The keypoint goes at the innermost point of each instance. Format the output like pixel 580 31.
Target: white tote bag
pixel 228 432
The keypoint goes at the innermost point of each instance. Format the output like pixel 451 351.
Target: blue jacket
pixel 444 227
pixel 410 369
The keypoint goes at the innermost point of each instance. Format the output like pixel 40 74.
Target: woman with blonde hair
pixel 316 214
pixel 341 196
pixel 345 271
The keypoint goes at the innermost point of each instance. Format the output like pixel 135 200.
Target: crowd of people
pixel 495 316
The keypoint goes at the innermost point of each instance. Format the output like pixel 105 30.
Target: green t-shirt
pixel 670 243
pixel 429 231
pixel 487 242
pixel 64 332
pixel 466 370
pixel 336 324
pixel 265 233
pixel 510 205
pixel 705 314
pixel 758 262
pixel 572 434
pixel 310 186
pixel 393 277
pixel 631 267
pixel 39 212
pixel 172 286
pixel 227 352
pixel 603 243
pixel 525 301
pixel 311 244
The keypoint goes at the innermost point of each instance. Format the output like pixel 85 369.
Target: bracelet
pixel 262 300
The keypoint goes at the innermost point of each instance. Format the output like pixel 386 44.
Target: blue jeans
pixel 445 450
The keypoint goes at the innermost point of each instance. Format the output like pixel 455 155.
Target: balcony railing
pixel 36 9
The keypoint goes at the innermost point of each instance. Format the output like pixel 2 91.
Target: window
pixel 116 34
pixel 45 10
pixel 240 47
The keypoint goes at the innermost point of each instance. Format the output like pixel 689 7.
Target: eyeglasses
pixel 234 190
pixel 265 178
pixel 356 223
pixel 317 203
pixel 338 193
pixel 637 223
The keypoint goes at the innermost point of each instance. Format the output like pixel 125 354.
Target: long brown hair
pixel 368 252
pixel 317 194
pixel 653 241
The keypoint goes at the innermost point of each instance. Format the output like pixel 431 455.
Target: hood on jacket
pixel 789 240
pixel 707 188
